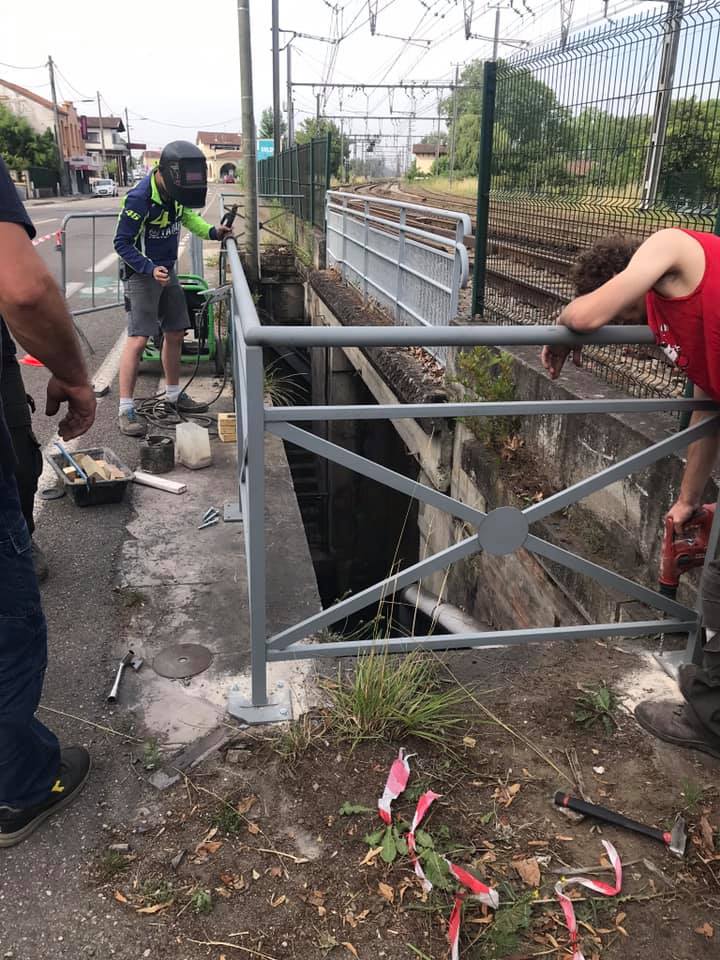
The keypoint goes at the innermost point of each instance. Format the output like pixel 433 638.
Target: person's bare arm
pixel 662 253
pixel 701 459
pixel 36 315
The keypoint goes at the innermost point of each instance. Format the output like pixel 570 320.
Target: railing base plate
pixel 278 710
pixel 232 513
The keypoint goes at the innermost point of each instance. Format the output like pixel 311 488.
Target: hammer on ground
pixel 675 839
pixel 129 660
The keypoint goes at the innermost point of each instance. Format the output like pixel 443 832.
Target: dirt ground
pixel 251 856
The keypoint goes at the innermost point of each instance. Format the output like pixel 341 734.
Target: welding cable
pixel 161 414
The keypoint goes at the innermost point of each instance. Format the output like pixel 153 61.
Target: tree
pixel 266 130
pixel 311 128
pixel 690 165
pixel 21 147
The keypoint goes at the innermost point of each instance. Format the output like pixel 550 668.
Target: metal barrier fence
pixel 90 282
pixel 299 178
pixel 416 274
pixel 616 132
pixel 500 532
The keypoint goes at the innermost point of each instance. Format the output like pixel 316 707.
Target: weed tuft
pixel 298 738
pixel 152 755
pixel 597 705
pixel 487 375
pixel 110 865
pixel 392 698
pixel 157 891
pixel 228 820
pixel 201 900
pixel 691 794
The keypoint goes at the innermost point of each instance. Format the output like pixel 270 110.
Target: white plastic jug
pixel 192 444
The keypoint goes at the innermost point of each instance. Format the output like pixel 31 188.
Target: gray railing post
pixel 344 233
pixel 366 242
pixel 255 521
pixel 400 261
pixel 483 194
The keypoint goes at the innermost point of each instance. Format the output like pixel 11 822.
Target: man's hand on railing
pixel 553 359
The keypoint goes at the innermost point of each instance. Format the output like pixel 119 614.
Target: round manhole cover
pixel 182 660
pixel 52 493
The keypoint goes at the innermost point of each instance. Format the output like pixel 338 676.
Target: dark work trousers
pixel 29 752
pixel 703 692
pixel 27 450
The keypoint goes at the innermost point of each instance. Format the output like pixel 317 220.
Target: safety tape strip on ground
pixel 597 886
pixel 395 785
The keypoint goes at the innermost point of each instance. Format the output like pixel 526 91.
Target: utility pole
pixel 453 131
pixel 252 249
pixel 671 42
pixel 276 73
pixel 127 131
pixel 496 37
pixel 64 186
pixel 102 137
pixel 317 107
pixel 290 105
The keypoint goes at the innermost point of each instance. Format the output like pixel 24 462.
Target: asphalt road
pixel 48 907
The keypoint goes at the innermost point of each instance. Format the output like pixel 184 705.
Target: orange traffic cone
pixel 31 361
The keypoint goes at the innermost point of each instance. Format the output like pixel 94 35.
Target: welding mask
pixel 184 173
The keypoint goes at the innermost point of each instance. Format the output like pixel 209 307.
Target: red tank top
pixel 688 328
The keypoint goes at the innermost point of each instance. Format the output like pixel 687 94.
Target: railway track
pixel 528 277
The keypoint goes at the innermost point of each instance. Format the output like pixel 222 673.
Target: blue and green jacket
pixel 148 229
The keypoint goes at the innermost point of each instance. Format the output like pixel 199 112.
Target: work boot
pixel 130 423
pixel 674 723
pixel 186 404
pixel 40 563
pixel 17 824
pixel 687 672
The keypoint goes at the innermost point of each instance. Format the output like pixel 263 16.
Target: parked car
pixel 229 178
pixel 138 175
pixel 104 188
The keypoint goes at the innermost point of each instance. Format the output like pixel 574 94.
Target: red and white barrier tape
pixel 478 891
pixel 597 886
pixel 396 782
pixel 423 805
pixel 38 240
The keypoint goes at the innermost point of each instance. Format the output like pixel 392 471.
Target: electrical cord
pixel 163 415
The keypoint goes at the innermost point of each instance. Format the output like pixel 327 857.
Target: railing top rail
pixel 456 215
pixel 87 216
pixel 438 238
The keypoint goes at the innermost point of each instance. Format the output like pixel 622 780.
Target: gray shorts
pixel 154 308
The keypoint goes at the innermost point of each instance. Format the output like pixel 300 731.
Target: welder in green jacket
pixel 146 240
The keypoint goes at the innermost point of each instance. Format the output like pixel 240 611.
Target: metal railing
pixel 500 531
pixel 416 274
pixel 90 280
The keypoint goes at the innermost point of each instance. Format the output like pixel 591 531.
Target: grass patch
pixel 503 936
pixel 294 742
pixel 280 388
pixel 486 374
pixel 691 794
pixel 394 697
pixel 228 821
pixel 597 705
pixel 111 865
pixel 201 901
pixel 157 891
pixel 152 755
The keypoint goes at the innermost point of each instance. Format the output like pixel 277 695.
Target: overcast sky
pixel 175 66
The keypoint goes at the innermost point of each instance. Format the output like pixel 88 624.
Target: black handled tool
pixel 229 217
pixel 674 840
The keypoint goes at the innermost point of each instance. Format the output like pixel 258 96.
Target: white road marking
pixel 105 374
pixel 103 264
pixel 72 288
pixel 39 223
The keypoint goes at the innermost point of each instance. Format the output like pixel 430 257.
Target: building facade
pixel 38 112
pixel 107 134
pixel 426 154
pixel 223 152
